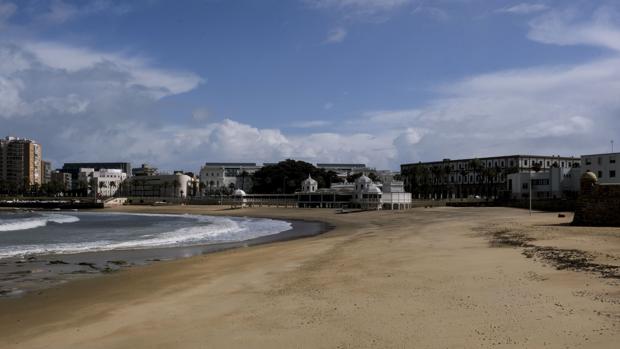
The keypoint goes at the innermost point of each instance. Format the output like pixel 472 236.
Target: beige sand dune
pixel 423 278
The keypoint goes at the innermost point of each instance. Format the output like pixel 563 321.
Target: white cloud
pixel 523 9
pixel 336 35
pixel 157 82
pixel 568 28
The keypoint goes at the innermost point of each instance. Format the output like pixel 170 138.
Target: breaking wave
pixel 207 229
pixel 35 222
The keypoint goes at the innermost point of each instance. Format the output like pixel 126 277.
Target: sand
pixel 423 278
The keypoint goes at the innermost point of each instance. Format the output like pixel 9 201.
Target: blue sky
pixel 383 82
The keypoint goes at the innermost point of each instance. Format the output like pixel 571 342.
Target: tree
pixel 286 177
pixel 102 185
pixel 352 178
pixel 475 166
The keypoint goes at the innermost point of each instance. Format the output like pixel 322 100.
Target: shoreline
pixel 34 273
pixel 378 279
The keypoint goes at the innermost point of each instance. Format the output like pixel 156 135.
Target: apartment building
pixel 20 163
pixel 473 177
pixel 604 166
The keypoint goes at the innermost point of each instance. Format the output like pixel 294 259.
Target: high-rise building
pixel 20 163
pixel 46 172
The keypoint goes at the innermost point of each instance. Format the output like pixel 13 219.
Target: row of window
pixel 599 160
pixel 612 174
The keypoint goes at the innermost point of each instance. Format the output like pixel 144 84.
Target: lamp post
pixel 530 187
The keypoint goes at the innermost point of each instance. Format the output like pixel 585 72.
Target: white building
pixel 394 196
pixel 216 176
pixel 604 166
pixel 367 194
pixel 101 183
pixel 553 183
pixel 176 185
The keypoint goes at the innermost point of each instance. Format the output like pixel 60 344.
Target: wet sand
pixel 424 278
pixel 20 275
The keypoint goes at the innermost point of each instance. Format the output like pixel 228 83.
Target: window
pixel 600 160
pixel 612 159
pixel 562 163
pixel 525 186
pixel 588 161
pixel 612 174
pixel 525 162
pixel 600 174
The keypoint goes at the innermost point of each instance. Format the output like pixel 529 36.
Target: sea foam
pixel 35 222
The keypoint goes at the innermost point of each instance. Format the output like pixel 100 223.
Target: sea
pixel 41 249
pixel 37 233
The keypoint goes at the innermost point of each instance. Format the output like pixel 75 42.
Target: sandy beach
pixel 424 278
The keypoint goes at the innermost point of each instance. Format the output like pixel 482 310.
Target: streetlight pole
pixel 530 187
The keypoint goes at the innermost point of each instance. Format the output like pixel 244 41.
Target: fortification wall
pixel 599 206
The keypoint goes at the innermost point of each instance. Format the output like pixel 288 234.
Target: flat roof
pixel 495 157
pixel 601 154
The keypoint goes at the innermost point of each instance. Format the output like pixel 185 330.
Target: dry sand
pixel 423 278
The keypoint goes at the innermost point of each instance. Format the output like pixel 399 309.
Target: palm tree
pixel 112 185
pixel 101 186
pixel 476 166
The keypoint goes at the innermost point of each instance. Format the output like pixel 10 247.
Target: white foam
pixel 35 222
pixel 211 229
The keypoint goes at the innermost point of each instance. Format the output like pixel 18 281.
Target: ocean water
pixel 42 233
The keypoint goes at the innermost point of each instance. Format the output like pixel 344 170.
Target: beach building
pixel 103 182
pixel 20 163
pixel 177 185
pixel 394 196
pixel 605 166
pixel 218 176
pixel 483 177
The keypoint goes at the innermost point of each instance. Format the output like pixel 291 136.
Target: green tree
pixel 286 177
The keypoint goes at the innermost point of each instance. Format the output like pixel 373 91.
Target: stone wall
pixel 599 206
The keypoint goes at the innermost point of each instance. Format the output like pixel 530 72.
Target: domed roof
pixel 589 176
pixel 363 179
pixel 309 181
pixel 373 189
pixel 239 192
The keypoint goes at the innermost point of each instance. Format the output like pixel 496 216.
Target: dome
pixel 309 181
pixel 373 189
pixel 363 179
pixel 589 176
pixel 239 192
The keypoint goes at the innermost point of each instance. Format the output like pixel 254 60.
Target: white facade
pixel 367 195
pixel 105 182
pixel 394 195
pixel 309 185
pixel 604 166
pixel 176 185
pixel 216 176
pixel 554 183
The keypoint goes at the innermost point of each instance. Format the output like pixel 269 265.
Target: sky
pixel 382 82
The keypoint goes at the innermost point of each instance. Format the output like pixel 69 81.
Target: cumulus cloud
pixel 523 9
